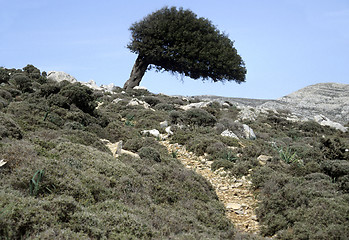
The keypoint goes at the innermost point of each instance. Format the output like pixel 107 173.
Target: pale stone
pixel 263 159
pixel 136 102
pixel 168 130
pixel 324 121
pixel 195 105
pixel 60 76
pixel 2 162
pixel 228 133
pixel 248 132
pixel 164 124
pixel 233 206
pixel 153 132
pixel 140 88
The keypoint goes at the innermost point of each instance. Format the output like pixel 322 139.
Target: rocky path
pixel 236 195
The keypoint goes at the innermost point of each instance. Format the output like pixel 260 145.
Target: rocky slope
pixel 328 99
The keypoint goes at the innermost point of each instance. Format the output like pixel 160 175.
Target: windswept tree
pixel 177 41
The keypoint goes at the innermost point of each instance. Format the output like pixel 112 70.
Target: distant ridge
pixel 327 99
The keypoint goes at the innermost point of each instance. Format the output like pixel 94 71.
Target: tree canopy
pixel 176 40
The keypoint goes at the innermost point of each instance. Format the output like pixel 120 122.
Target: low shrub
pixel 9 128
pixel 199 117
pixel 149 153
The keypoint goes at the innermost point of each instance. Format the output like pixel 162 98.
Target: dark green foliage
pixel 9 128
pixel 152 101
pixel 32 71
pixel 149 153
pixel 336 168
pixel 22 82
pixel 4 75
pixel 334 149
pixel 200 117
pixel 177 40
pixel 81 96
pixel 164 107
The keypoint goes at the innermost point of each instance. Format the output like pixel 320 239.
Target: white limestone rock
pixel 228 133
pixel 324 121
pixel 61 76
pixel 248 132
pixel 195 105
pixel 153 132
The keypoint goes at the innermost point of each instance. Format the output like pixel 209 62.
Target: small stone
pixel 233 206
pixel 239 212
pixel 153 132
pixel 254 218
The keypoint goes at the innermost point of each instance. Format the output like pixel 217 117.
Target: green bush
pixel 9 128
pixel 149 153
pixel 200 117
pixel 22 82
pixel 4 75
pixel 164 107
pixel 81 96
pixel 336 168
pixel 151 100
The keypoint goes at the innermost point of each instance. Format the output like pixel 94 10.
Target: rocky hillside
pixel 328 99
pixel 114 160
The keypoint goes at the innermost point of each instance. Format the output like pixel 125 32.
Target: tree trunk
pixel 137 73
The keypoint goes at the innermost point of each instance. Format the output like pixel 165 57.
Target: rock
pixel 136 102
pixel 108 88
pixel 2 162
pixel 153 132
pixel 324 121
pixel 233 206
pixel 195 105
pixel 61 76
pixel 239 212
pixel 248 132
pixel 168 130
pixel 116 100
pixel 263 159
pixel 140 88
pixel 228 133
pixel 328 99
pixel 92 84
pixel 164 124
pixel 116 149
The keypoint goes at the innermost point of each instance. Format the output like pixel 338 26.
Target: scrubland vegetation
pixel 60 181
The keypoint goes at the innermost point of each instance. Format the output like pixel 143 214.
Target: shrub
pixel 151 100
pixel 200 117
pixel 164 107
pixel 22 82
pixel 81 96
pixel 9 128
pixel 149 153
pixel 4 75
pixel 336 168
pixel 176 117
pixel 49 88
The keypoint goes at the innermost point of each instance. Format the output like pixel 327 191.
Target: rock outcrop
pixel 327 99
pixel 330 100
pixel 61 76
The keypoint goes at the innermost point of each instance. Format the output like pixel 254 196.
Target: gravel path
pixel 236 194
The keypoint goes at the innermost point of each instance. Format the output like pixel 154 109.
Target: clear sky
pixel 286 44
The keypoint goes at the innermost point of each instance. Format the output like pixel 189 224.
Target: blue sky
pixel 286 44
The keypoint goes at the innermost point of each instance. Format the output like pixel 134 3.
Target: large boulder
pixel 324 121
pixel 61 76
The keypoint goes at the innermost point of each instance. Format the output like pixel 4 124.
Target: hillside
pixel 79 163
pixel 328 99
